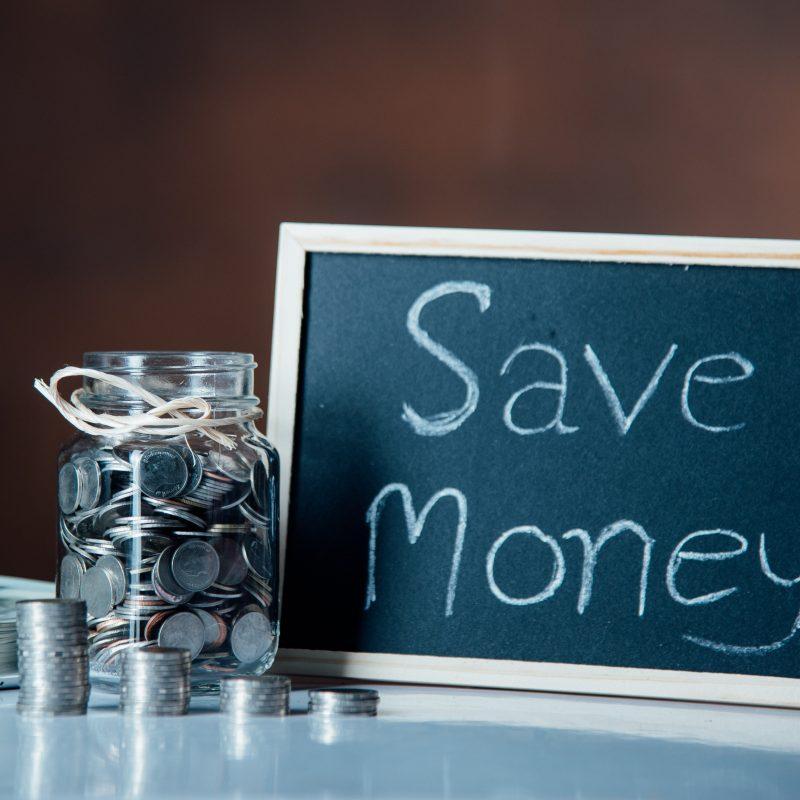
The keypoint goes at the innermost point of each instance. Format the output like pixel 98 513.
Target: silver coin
pixel 70 573
pixel 249 695
pixel 255 685
pixel 251 637
pixel 69 488
pixel 162 472
pixel 195 565
pixel 194 465
pixel 211 626
pixel 89 471
pixel 351 702
pixel 98 592
pixel 343 695
pixel 157 654
pixel 231 465
pixel 164 583
pixel 259 483
pixel 119 578
pixel 183 630
pixel 232 566
pixel 258 556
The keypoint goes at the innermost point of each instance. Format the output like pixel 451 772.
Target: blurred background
pixel 150 151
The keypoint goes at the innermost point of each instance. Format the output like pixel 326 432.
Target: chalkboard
pixel 567 464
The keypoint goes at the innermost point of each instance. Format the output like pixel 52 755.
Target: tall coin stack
pixel 52 654
pixel 8 642
pixel 265 695
pixel 155 681
pixel 350 702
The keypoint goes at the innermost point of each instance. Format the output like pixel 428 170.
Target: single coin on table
pixel 162 472
pixel 183 630
pixel 69 488
pixel 97 591
pixel 195 565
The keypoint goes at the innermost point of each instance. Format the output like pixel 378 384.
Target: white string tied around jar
pixel 165 418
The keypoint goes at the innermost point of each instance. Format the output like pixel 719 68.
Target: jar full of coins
pixel 168 511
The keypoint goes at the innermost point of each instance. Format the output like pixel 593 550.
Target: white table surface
pixel 427 742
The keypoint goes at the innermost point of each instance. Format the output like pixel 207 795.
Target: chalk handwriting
pixel 746 650
pixel 679 555
pixel 591 549
pixel 414 525
pixel 556 578
pixel 623 420
pixel 445 421
pixel 560 387
pixel 717 369
pixel 765 568
pixel 747 370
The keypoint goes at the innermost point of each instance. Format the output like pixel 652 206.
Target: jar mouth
pixel 223 378
pixel 131 362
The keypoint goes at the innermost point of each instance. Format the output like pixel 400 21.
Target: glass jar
pixel 173 540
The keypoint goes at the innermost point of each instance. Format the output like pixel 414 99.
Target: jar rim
pixel 126 362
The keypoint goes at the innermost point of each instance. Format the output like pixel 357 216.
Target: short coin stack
pixel 265 695
pixel 155 681
pixel 52 653
pixel 350 702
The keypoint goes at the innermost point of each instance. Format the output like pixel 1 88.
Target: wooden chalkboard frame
pixel 297 240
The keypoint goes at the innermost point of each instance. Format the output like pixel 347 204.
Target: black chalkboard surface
pixel 523 471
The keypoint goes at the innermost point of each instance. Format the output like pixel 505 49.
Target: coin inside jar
pixel 258 557
pixel 232 566
pixel 251 636
pixel 69 488
pixel 214 627
pixel 259 483
pixel 89 471
pixel 194 465
pixel 153 624
pixel 119 579
pixel 164 583
pixel 98 592
pixel 195 565
pixel 230 465
pixel 162 472
pixel 183 630
pixel 70 573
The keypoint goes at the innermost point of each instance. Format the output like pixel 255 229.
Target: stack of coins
pixel 255 695
pixel 52 654
pixel 155 681
pixel 350 702
pixel 8 643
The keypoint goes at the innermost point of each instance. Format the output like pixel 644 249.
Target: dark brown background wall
pixel 150 150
